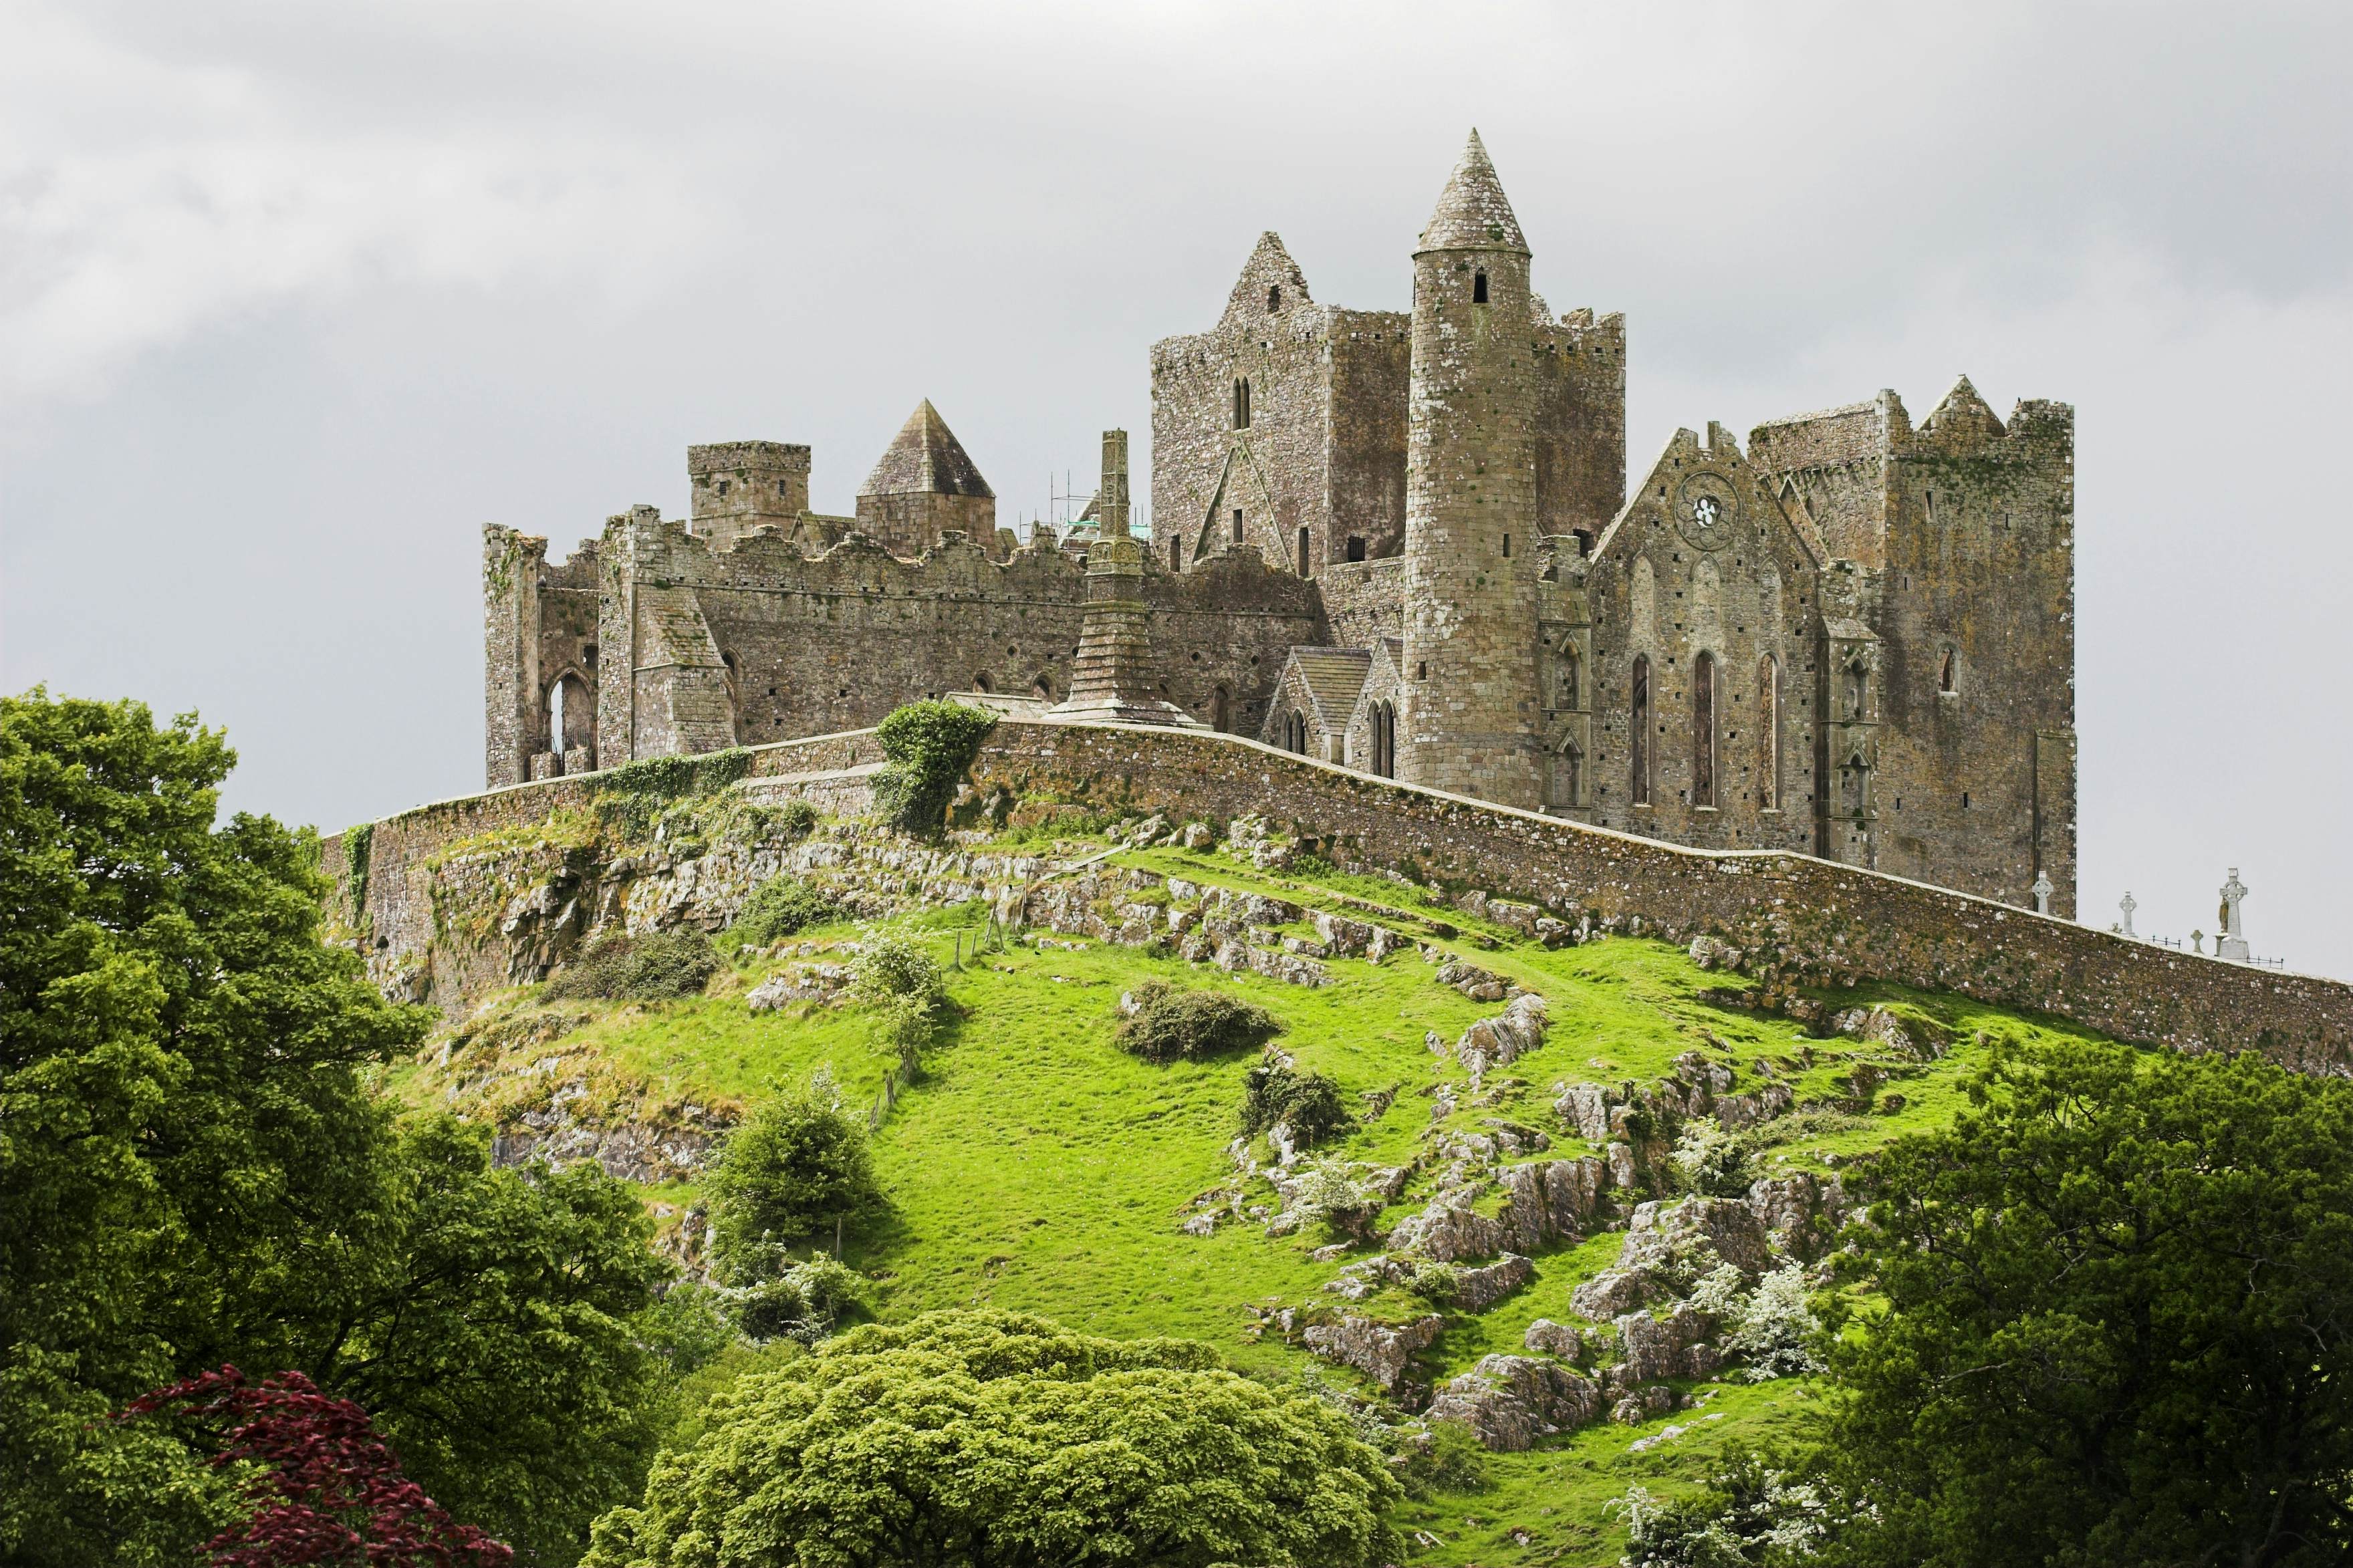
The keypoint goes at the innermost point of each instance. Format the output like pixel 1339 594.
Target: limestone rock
pixel 1650 1350
pixel 1585 1106
pixel 1785 1205
pixel 1550 1200
pixel 1611 1293
pixel 802 983
pixel 1548 1338
pixel 1380 1350
pixel 1622 1171
pixel 1661 1233
pixel 1510 1401
pixel 1499 1040
pixel 1643 1404
pixel 1473 981
pixel 1446 1231
pixel 1480 1288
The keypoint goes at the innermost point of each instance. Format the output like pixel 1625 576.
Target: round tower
pixel 1472 718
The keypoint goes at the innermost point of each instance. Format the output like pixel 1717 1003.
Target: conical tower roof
pixel 925 459
pixel 1473 214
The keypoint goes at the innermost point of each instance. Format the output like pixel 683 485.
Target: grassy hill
pixel 1033 1165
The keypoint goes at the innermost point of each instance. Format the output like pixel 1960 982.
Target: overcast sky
pixel 295 296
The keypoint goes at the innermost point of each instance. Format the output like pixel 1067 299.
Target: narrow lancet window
pixel 1479 288
pixel 1641 729
pixel 1769 732
pixel 1703 729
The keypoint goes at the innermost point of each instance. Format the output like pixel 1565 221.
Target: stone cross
pixel 2198 942
pixel 2042 889
pixel 2128 904
pixel 2231 942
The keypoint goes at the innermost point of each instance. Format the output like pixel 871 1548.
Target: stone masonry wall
pixel 1813 918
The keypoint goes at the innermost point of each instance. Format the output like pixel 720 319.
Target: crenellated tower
pixel 1471 715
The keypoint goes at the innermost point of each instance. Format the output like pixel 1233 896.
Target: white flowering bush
pixel 1751 1514
pixel 1709 1160
pixel 1770 1326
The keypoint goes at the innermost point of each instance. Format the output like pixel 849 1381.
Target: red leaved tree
pixel 328 1492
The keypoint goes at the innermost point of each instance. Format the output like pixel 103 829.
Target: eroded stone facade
pixel 1405 541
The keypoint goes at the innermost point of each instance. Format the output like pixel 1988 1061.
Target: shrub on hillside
pixel 1309 1104
pixel 654 968
pixel 779 908
pixel 893 969
pixel 792 1169
pixel 1451 1460
pixel 1172 1023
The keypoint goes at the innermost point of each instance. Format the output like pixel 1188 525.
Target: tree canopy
pixel 2117 1299
pixel 991 1440
pixel 193 1174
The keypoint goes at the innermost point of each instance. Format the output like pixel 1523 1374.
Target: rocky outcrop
pixel 1651 1350
pixel 1585 1106
pixel 1503 1038
pixel 1510 1401
pixel 1448 1230
pixel 1550 1200
pixel 1788 1206
pixel 1476 1289
pixel 1382 1352
pixel 673 1144
pixel 1548 1338
pixel 1664 1235
pixel 1611 1292
pixel 800 982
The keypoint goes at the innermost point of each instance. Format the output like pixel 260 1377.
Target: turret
pixel 738 485
pixel 1471 717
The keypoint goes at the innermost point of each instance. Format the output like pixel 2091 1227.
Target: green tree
pixel 2117 1296
pixel 927 748
pixel 796 1165
pixel 192 1174
pixel 983 1439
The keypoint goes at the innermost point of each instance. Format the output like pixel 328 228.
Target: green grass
pixel 1033 1166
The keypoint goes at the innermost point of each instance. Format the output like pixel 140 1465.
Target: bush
pixel 1309 1104
pixel 1710 1160
pixel 792 1298
pixel 1452 1460
pixel 1328 1194
pixel 891 968
pixel 656 968
pixel 779 908
pixel 1174 1024
pixel 788 1173
pixel 929 745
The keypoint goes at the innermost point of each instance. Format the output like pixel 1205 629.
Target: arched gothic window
pixel 1703 729
pixel 1241 403
pixel 1641 727
pixel 1769 732
pixel 1385 740
pixel 1294 731
pixel 1479 287
pixel 1220 715
pixel 1944 673
pixel 1568 676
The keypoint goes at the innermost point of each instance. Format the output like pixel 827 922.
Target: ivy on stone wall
pixel 631 796
pixel 929 746
pixel 357 841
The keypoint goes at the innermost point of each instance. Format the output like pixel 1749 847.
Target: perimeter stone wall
pixel 1806 918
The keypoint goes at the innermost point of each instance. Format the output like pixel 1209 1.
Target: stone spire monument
pixel 1112 678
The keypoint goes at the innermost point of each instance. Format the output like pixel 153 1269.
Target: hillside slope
pixel 1032 1165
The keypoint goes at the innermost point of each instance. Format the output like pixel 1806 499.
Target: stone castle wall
pixel 1814 918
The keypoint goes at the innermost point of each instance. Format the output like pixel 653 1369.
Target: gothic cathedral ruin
pixel 1402 544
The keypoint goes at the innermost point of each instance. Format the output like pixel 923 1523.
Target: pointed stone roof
pixel 925 459
pixel 1472 213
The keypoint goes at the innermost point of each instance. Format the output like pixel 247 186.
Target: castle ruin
pixel 1404 544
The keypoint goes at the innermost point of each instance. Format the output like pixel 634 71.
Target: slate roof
pixel 1472 213
pixel 925 459
pixel 1333 677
